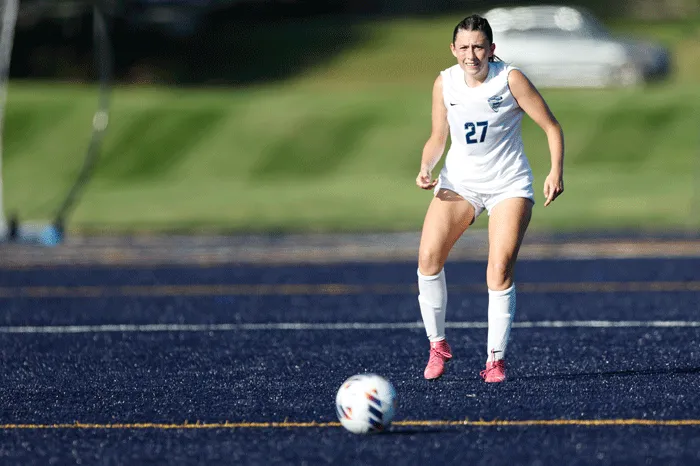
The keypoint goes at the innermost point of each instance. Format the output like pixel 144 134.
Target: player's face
pixel 472 50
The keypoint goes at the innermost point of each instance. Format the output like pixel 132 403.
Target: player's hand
pixel 424 179
pixel 553 187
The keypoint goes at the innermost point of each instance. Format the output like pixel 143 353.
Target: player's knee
pixel 429 262
pixel 499 275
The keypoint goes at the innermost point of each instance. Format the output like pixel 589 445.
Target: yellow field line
pixel 405 423
pixel 325 289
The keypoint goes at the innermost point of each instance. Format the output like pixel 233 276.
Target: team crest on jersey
pixel 495 102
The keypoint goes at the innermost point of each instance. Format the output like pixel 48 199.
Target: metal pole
pixel 7 34
pixel 103 60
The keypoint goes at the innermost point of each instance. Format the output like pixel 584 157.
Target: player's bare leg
pixel 448 216
pixel 507 225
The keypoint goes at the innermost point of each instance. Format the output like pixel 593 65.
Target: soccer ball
pixel 366 403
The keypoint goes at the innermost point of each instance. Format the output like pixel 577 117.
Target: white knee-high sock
pixel 432 298
pixel 501 313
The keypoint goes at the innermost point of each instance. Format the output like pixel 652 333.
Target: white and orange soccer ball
pixel 366 403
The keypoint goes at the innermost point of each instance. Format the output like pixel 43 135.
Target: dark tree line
pixel 230 42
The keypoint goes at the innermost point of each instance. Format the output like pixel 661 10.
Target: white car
pixel 559 46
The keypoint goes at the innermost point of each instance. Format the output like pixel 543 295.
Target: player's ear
pixel 492 50
pixel 453 49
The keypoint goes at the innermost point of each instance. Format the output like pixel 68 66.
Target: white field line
pixel 131 328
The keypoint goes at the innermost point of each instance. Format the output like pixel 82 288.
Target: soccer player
pixel 480 102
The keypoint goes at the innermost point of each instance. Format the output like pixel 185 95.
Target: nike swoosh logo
pixel 452 105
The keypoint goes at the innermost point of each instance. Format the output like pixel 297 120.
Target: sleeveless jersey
pixel 486 153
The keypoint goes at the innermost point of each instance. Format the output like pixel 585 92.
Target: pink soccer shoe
pixel 495 370
pixel 440 353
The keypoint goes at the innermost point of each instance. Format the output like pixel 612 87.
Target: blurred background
pixel 310 116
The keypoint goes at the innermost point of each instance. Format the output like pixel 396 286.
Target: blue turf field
pixel 241 364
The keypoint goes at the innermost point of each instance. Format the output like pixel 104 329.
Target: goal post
pixel 52 233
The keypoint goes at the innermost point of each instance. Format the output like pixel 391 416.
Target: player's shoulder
pixel 450 78
pixel 452 72
pixel 508 73
pixel 516 78
pixel 502 68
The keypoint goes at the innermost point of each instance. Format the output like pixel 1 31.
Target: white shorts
pixel 521 187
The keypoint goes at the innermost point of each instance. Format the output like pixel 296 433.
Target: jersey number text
pixel 471 131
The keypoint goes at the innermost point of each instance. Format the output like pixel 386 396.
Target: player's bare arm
pixel 435 146
pixel 536 108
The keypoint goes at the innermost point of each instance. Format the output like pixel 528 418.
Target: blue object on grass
pixel 50 236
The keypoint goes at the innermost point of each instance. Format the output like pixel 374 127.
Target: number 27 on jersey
pixel 471 128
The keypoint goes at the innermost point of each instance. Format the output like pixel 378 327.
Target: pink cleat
pixel 440 353
pixel 495 370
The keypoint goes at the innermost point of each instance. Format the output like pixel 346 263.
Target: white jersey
pixel 486 153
